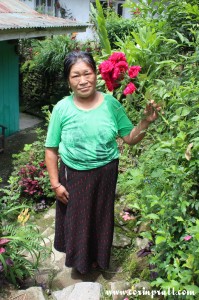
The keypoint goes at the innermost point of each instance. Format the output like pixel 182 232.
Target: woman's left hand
pixel 151 111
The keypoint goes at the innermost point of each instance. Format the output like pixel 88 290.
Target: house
pixel 77 10
pixel 19 21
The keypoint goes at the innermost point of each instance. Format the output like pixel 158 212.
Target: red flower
pixel 119 70
pixel 137 11
pixel 117 56
pixel 105 67
pixel 133 71
pixel 109 85
pixel 130 89
pixel 114 70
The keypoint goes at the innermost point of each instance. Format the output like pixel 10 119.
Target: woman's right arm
pixel 51 158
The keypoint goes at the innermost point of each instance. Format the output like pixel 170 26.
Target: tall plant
pixel 101 28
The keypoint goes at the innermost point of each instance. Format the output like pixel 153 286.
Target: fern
pixel 26 249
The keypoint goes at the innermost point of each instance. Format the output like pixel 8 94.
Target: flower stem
pixel 159 113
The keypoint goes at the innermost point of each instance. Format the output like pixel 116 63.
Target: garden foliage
pixel 160 183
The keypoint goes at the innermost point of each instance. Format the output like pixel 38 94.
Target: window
pixel 40 2
pixel 45 6
pixel 117 5
pixel 120 9
pixel 103 4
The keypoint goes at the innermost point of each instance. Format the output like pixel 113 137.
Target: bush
pixel 29 182
pixel 162 186
pixel 117 27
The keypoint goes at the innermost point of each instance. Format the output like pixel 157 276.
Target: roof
pixel 18 20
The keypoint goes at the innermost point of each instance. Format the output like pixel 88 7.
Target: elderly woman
pixel 83 129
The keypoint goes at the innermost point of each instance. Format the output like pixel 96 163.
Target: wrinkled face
pixel 82 79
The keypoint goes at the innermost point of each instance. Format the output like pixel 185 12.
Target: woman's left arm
pixel 138 132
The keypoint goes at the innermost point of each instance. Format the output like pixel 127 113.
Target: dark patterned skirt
pixel 84 227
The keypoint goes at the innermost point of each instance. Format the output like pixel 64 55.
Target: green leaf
pixel 4 263
pixel 183 111
pixel 171 284
pixel 160 239
pixel 179 219
pixel 153 217
pixel 182 38
pixel 175 118
pixel 189 261
pixel 191 288
pixel 147 235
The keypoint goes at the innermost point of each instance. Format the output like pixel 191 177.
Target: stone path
pixel 55 281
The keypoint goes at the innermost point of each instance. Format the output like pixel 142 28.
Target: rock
pixel 45 276
pixel 122 199
pixel 48 232
pixel 80 291
pixel 141 243
pixel 50 214
pixel 143 285
pixel 120 240
pixel 63 279
pixel 144 226
pixel 57 258
pixel 33 293
pixel 120 286
pixel 63 294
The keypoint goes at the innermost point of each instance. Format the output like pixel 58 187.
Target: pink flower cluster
pixel 187 237
pixel 114 70
pixel 2 243
pixel 126 216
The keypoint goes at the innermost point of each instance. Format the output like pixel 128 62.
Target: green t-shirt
pixel 87 138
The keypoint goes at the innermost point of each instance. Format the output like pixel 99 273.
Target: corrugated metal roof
pixel 17 15
pixel 13 6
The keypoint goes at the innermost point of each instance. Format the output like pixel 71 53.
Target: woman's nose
pixel 83 79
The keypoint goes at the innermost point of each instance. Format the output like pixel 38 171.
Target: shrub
pixel 117 27
pixel 29 182
pixel 162 186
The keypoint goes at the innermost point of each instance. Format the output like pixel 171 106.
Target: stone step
pixel 80 291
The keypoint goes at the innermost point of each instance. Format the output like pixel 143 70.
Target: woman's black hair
pixel 73 57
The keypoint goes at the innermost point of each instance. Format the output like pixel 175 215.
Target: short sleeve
pixel 54 130
pixel 124 124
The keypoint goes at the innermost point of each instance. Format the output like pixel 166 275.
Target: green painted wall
pixel 9 87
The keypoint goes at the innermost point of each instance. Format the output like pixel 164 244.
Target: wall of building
pixel 30 3
pixel 79 10
pixel 9 87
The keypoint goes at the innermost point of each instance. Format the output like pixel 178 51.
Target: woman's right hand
pixel 62 194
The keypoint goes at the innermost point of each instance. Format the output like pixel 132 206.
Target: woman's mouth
pixel 84 89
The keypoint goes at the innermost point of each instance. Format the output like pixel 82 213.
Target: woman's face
pixel 82 79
